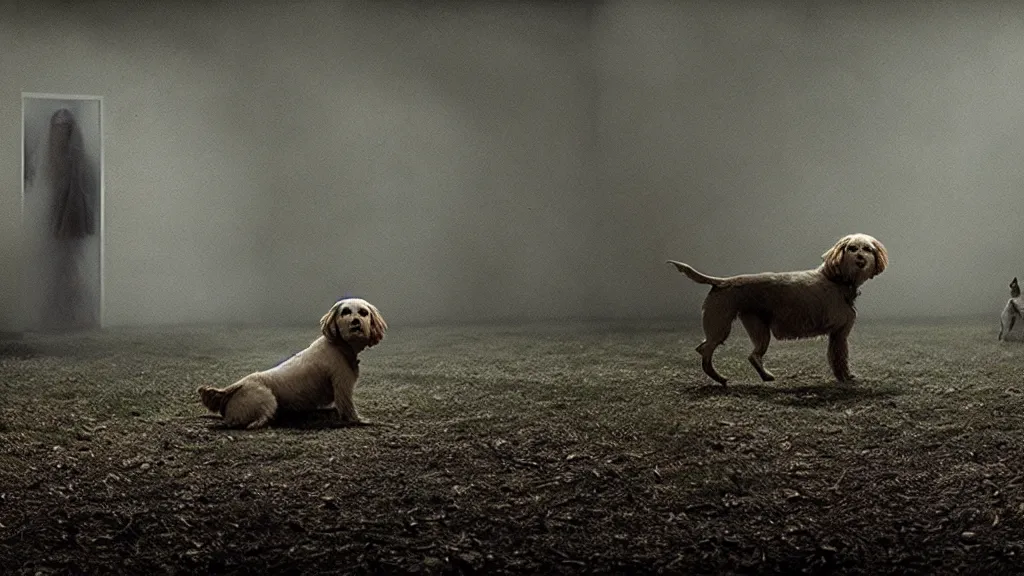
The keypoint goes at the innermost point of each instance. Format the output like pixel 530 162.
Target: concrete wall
pixel 263 159
pixel 748 136
pixel 473 161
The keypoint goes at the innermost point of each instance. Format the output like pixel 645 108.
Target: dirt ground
pixel 550 448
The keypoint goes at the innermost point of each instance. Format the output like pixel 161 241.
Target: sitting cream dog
pixel 323 373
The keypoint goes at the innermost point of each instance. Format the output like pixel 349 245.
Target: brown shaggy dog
pixel 323 373
pixel 791 304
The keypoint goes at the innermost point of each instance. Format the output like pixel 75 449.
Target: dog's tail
pixel 1014 288
pixel 697 276
pixel 214 399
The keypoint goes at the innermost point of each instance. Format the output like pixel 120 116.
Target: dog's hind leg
pixel 252 406
pixel 716 330
pixel 760 336
pixel 706 349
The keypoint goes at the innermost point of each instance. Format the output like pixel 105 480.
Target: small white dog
pixel 323 373
pixel 1014 309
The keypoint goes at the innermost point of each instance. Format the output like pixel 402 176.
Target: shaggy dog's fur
pixel 1013 310
pixel 791 304
pixel 323 373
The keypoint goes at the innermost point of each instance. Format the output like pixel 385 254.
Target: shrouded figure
pixel 66 217
pixel 72 214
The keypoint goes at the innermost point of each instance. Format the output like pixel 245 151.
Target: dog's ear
pixel 834 258
pixel 377 326
pixel 881 257
pixel 1014 288
pixel 327 325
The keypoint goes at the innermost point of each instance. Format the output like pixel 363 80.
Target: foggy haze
pixel 489 161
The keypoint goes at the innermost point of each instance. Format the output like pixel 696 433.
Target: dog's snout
pixel 354 322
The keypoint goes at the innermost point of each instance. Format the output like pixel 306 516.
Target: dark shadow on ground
pixel 182 342
pixel 19 349
pixel 322 419
pixel 326 419
pixel 803 395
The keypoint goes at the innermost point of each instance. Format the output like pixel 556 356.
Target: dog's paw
pixel 362 422
pixel 357 422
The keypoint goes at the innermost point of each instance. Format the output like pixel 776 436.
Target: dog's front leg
pixel 343 403
pixel 839 354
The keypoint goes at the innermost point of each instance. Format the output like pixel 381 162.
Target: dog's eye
pixel 345 311
pixel 851 248
pixel 363 312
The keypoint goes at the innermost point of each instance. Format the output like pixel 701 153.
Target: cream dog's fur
pixel 1012 311
pixel 791 304
pixel 323 373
